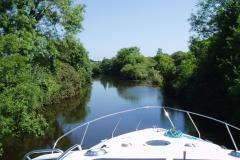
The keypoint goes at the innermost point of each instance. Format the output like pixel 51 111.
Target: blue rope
pixel 235 154
pixel 173 133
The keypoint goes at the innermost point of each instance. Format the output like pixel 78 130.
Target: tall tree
pixel 41 61
pixel 47 16
pixel 217 24
pixel 31 27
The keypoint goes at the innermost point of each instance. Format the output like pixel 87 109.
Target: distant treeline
pixel 172 72
pixel 41 62
pixel 207 78
pixel 162 69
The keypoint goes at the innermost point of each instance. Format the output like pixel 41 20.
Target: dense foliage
pixel 41 62
pixel 169 71
pixel 130 64
pixel 216 46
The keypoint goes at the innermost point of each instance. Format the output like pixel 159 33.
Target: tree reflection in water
pixel 130 90
pixel 72 110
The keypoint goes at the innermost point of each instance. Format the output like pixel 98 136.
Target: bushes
pixel 20 98
pixel 46 81
pixel 172 72
pixel 19 111
pixel 135 72
pixel 165 65
pixel 30 48
pixel 96 70
pixel 73 53
pixel 26 87
pixel 155 78
pixel 13 70
pixel 130 64
pixel 68 79
pixel 186 65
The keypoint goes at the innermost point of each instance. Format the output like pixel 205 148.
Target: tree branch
pixel 39 16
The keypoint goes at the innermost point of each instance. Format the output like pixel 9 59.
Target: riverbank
pixel 73 108
pixel 103 97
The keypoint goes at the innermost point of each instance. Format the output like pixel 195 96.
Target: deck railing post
pixel 148 107
pixel 167 115
pixel 234 143
pixel 84 134
pixel 199 135
pixel 116 127
pixel 138 125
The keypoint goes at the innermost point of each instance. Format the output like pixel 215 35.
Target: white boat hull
pixel 150 143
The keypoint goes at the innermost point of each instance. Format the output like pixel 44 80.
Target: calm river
pixel 104 97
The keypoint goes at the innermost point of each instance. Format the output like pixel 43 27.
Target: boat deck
pixel 151 143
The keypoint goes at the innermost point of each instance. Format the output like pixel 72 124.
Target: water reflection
pixel 72 110
pixel 131 91
pixel 104 97
pixel 113 95
pixel 127 122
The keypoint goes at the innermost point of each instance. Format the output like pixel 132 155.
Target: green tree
pixel 165 65
pixel 178 57
pixel 199 48
pixel 159 51
pixel 106 66
pixel 135 72
pixel 218 71
pixel 73 53
pixel 20 98
pixel 46 16
pixel 186 65
pixel 31 28
pixel 113 66
pixel 130 64
pixel 40 61
pixel 130 55
pixel 124 52
pixel 96 70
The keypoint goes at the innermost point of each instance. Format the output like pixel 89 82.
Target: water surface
pixel 107 96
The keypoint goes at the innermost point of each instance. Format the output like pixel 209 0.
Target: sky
pixel 110 25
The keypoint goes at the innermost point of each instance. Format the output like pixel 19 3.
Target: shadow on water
pixel 209 129
pixel 130 90
pixel 73 110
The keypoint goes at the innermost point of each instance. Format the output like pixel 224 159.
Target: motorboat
pixel 154 143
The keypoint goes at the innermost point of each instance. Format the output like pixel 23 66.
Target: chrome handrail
pixel 230 134
pixel 168 117
pixel 92 121
pixel 41 151
pixel 84 134
pixel 195 126
pixel 152 107
pixel 69 150
pixel 138 125
pixel 116 127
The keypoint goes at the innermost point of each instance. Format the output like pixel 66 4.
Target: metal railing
pixel 189 113
pixel 76 146
pixel 42 151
